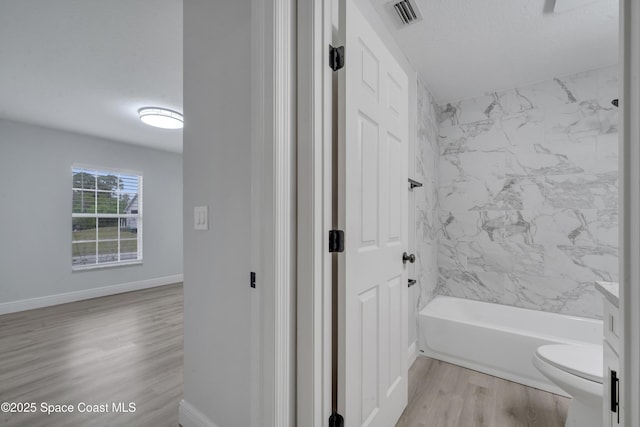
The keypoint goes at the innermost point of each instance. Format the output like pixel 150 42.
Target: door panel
pixel 368 353
pixel 395 164
pixel 372 210
pixel 369 147
pixel 396 321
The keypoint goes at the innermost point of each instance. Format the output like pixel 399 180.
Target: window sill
pixel 105 265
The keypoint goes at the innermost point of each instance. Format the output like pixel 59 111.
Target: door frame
pixel 629 229
pixel 315 151
pixel 273 218
pixel 315 169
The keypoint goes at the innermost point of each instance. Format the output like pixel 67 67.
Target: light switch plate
pixel 201 218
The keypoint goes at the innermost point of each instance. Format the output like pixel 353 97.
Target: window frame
pixel 97 171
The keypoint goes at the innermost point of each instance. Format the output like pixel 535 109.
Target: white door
pixel 372 206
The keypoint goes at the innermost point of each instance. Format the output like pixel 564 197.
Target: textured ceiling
pixel 466 48
pixel 87 66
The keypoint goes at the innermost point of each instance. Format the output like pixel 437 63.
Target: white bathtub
pixel 497 339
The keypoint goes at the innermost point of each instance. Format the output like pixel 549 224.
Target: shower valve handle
pixel 411 258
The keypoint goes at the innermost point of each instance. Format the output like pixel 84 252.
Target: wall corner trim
pixel 189 416
pixel 49 300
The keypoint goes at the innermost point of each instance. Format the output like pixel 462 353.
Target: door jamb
pixel 314 163
pixel 273 255
pixel 629 229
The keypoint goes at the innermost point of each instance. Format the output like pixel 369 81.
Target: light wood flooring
pixel 442 394
pixel 128 348
pixel 120 348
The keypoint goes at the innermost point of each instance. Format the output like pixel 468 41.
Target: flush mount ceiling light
pixel 161 118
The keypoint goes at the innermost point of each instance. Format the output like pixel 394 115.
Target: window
pixel 106 218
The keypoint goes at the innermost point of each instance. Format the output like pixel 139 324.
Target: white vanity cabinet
pixel 611 345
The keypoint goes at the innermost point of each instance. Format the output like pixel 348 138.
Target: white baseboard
pixel 31 303
pixel 412 353
pixel 189 416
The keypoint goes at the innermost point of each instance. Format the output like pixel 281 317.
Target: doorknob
pixel 411 258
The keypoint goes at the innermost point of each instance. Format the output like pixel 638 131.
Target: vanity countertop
pixel 609 290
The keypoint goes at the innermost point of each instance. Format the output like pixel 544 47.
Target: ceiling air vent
pixel 408 11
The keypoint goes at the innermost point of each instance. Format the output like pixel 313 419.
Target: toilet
pixel 576 369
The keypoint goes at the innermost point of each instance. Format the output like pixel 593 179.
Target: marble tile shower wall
pixel 528 194
pixel 426 197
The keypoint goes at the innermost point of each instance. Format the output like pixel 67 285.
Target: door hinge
pixel 336 420
pixel 336 57
pixel 336 241
pixel 252 280
pixel 615 393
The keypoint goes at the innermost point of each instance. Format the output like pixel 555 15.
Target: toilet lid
pixel 584 361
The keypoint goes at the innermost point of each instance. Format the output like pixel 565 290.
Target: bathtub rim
pixel 443 316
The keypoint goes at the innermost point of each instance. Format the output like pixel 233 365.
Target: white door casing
pixel 629 92
pixel 372 206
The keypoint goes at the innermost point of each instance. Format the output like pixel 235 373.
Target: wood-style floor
pixel 128 348
pixel 442 394
pixel 116 349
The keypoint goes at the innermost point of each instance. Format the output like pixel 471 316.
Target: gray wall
pixel 217 173
pixel 35 217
